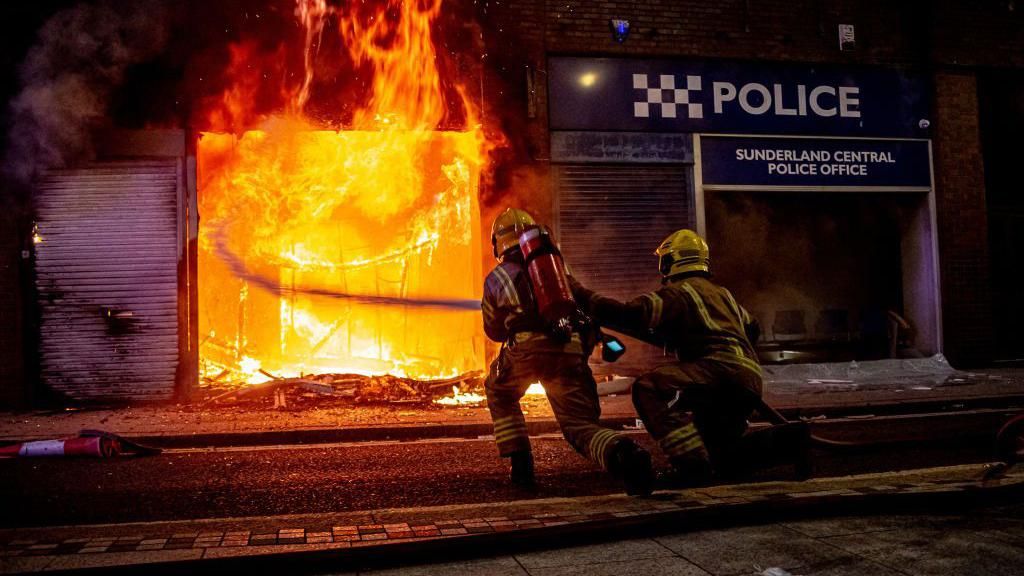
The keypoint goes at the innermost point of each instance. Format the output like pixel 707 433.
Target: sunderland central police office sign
pixel 813 162
pixel 621 94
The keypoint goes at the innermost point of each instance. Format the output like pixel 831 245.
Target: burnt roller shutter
pixel 610 220
pixel 106 272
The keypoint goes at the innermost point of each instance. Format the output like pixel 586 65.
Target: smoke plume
pixel 69 76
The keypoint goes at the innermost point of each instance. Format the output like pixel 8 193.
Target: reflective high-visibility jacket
pixel 692 316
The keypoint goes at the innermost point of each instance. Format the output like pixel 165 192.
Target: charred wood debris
pixel 335 389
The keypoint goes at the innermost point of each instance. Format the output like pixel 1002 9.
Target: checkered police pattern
pixel 666 98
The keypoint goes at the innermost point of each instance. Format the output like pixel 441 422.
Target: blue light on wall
pixel 620 29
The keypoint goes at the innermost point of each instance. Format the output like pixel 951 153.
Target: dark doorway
pixel 829 276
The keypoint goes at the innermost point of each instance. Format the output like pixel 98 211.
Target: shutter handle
pixel 116 313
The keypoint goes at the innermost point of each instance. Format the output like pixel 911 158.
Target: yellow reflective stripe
pixel 738 361
pixel 595 441
pixel 515 417
pixel 744 315
pixel 685 430
pixel 510 426
pixel 657 304
pixel 691 445
pixel 681 435
pixel 488 309
pixel 573 346
pixel 509 421
pixel 682 440
pixel 609 437
pixel 670 444
pixel 736 308
pixel 699 302
pixel 521 337
pixel 599 443
pixel 506 436
pixel 509 288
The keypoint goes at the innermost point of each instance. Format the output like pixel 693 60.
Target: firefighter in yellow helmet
pixel 529 353
pixel 696 408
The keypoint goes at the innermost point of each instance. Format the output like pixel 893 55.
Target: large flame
pixel 386 207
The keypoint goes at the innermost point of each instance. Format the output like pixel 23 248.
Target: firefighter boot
pixel 632 464
pixel 522 469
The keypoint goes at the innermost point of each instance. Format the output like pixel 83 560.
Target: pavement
pixel 807 391
pixel 931 524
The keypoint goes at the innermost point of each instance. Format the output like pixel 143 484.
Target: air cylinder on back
pixel 548 279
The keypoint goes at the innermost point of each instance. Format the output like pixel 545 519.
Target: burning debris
pixel 356 389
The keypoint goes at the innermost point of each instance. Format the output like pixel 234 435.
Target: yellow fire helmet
pixel 506 229
pixel 683 251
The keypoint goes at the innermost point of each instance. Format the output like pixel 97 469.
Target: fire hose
pixel 776 418
pixel 1009 447
pixel 239 269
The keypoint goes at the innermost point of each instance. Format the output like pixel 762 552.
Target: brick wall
pixel 962 219
pixel 12 361
pixel 980 33
pixel 949 40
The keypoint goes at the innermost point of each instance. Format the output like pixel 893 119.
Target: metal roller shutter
pixel 610 220
pixel 107 278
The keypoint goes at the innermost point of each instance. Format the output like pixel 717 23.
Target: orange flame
pixel 388 208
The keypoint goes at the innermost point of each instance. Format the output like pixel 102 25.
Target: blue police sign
pixel 793 162
pixel 640 95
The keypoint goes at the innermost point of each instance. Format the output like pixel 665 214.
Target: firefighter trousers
pixel 697 411
pixel 571 390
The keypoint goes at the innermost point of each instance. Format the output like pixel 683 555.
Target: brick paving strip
pixel 121 545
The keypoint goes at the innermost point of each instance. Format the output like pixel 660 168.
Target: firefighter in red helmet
pixel 532 352
pixel 697 408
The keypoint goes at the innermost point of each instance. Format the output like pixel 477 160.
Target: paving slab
pixel 750 547
pixel 15 565
pixel 931 550
pixel 844 526
pixel 846 565
pixel 621 551
pixel 500 566
pixel 114 559
pixel 663 566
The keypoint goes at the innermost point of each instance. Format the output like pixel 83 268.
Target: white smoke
pixel 69 76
